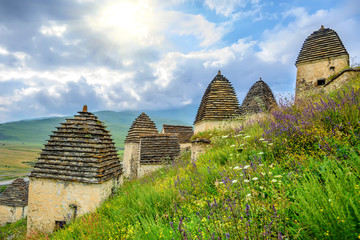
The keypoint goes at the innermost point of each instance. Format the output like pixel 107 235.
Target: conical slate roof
pixel 16 194
pixel 142 125
pixel 80 150
pixel 321 44
pixel 219 101
pixel 259 98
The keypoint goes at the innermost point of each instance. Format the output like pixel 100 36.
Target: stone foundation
pixel 52 201
pixel 198 147
pixel 206 125
pixel 11 214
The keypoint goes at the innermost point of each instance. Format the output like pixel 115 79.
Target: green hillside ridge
pixel 21 142
pixel 290 174
pixel 37 131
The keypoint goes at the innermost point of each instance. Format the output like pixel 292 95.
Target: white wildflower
pixel 248 195
pixel 270 144
pixel 239 135
pixel 242 144
pixel 278 176
pixel 246 180
pixel 232 145
pixel 237 168
pixel 234 181
pixel 261 187
pixel 274 180
pixel 224 136
pixel 261 153
pixel 221 182
pixel 255 178
pixel 262 173
pixel 247 136
pixel 260 165
pixel 261 139
pixel 247 166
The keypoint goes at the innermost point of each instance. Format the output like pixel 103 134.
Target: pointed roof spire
pixel 219 73
pixel 141 125
pixel 259 99
pixel 219 101
pixel 80 150
pixel 16 194
pixel 322 44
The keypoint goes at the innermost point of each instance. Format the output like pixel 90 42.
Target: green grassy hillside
pixel 292 174
pixel 21 142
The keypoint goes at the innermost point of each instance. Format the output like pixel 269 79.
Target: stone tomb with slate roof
pixel 219 103
pixel 321 56
pixel 14 202
pixel 156 151
pixel 142 125
pixel 184 133
pixel 259 99
pixel 76 171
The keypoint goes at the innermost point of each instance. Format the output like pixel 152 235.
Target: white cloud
pixel 53 29
pixel 225 7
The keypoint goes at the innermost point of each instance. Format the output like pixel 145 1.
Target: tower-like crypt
pixel 142 125
pixel 321 56
pixel 218 103
pixel 76 171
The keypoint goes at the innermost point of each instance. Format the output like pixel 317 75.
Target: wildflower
pixel 262 173
pixel 247 166
pixel 261 187
pixel 247 136
pixel 261 139
pixel 255 178
pixel 225 136
pixel 237 168
pixel 261 153
pixel 242 144
pixel 248 195
pixel 274 180
pixel 270 144
pixel 260 165
pixel 246 180
pixel 234 181
pixel 232 145
pixel 227 235
pixel 278 176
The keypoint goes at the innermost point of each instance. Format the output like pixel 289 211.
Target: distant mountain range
pixel 37 131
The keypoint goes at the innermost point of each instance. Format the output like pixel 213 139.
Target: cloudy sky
pixel 58 55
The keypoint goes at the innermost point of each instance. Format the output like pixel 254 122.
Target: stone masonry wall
pixel 206 125
pixel 10 214
pixel 308 73
pixel 131 159
pixel 50 200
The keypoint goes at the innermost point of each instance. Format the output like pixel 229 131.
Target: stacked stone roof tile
pixel 158 149
pixel 80 150
pixel 321 44
pixel 16 194
pixel 184 133
pixel 219 101
pixel 259 99
pixel 142 125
